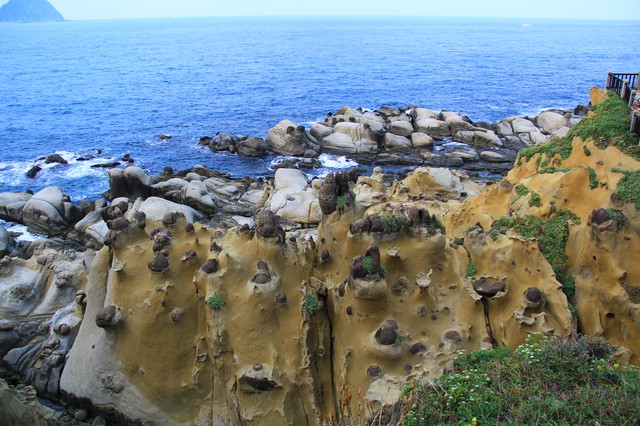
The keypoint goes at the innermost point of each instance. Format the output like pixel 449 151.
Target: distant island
pixel 29 11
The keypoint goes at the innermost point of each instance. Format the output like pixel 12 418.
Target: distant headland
pixel 29 11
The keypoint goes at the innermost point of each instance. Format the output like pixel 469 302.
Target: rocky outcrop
pixel 287 138
pixel 50 212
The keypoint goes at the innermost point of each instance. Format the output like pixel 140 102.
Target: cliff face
pixel 180 323
pixel 29 11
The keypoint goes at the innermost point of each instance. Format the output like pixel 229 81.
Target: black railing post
pixel 608 83
pixel 625 92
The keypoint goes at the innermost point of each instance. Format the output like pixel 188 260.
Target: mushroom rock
pixel 172 218
pixel 328 195
pixel 485 287
pixel 387 333
pixel 210 266
pixel 159 263
pixel 360 226
pixel 265 223
pixel 119 224
pixel 109 317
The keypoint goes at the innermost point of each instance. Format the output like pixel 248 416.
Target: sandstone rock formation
pixel 187 318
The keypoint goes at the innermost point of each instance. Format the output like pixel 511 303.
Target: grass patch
pixel 552 236
pixel 216 302
pixel 553 169
pixel 440 225
pixel 471 268
pixel 609 126
pixel 341 201
pixel 367 262
pixel 494 234
pixel 619 217
pixel 310 304
pixel 593 178
pixel 522 191
pixel 629 187
pixel 544 381
pixel 459 241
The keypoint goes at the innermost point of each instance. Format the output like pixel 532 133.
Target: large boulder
pixel 6 242
pixel 401 128
pixel 456 121
pixel 320 131
pixel 486 138
pixel 393 141
pixel 196 195
pixel 138 182
pixel 131 182
pixel 294 199
pixel 522 125
pixel 357 131
pixel 550 121
pixel 93 227
pixel 290 180
pixel 423 113
pixel 300 206
pixel 435 128
pixel 252 147
pixel 288 139
pixel 421 140
pixel 11 204
pixel 156 208
pixel 341 142
pixel 50 212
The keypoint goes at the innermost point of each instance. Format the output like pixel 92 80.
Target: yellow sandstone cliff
pixel 186 324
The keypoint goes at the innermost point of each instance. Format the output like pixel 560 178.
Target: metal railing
pixel 625 85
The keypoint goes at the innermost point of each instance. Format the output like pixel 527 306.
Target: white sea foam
pixel 25 235
pixel 336 161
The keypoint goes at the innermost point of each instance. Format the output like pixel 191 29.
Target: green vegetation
pixel 553 169
pixel 399 338
pixel 553 208
pixel 544 381
pixel 470 229
pixel 569 286
pixel 629 187
pixel 593 179
pixel 310 304
pixel 216 302
pixel 471 268
pixel 458 241
pixel 632 290
pixel 522 191
pixel 353 194
pixel 341 201
pixel 367 262
pixel 586 150
pixel 552 236
pixel 440 225
pixel 617 216
pixel 494 234
pixel 609 126
pixel 387 223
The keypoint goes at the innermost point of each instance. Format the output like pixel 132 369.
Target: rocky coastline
pixel 406 136
pixel 200 298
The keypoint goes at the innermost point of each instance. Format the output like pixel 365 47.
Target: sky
pixel 115 9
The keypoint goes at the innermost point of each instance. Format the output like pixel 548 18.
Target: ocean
pixel 107 88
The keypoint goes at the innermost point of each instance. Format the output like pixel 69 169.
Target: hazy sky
pixel 108 9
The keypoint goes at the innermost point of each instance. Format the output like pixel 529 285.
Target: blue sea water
pixel 76 87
